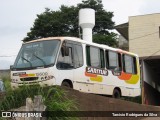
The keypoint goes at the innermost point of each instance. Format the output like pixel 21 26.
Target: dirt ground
pixel 92 102
pixel 97 105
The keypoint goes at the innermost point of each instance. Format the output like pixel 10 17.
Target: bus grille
pixel 29 79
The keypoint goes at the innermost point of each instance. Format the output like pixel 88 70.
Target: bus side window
pixel 78 55
pixel 129 64
pixel 113 60
pixel 65 61
pixel 95 57
pixel 102 58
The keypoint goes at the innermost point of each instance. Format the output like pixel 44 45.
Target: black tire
pixel 66 84
pixel 116 94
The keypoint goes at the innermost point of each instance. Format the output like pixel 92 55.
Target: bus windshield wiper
pixel 40 59
pixel 26 60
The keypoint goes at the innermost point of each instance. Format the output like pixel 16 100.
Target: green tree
pixel 64 22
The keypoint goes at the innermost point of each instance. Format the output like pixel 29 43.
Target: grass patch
pixel 54 98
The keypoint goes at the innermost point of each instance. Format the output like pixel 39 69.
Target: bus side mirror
pixel 65 51
pixel 11 67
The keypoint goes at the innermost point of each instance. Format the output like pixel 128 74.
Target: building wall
pixel 123 43
pixel 144 38
pixel 122 40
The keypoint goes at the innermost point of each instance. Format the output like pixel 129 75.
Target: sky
pixel 17 17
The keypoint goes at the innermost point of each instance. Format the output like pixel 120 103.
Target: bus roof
pixel 84 42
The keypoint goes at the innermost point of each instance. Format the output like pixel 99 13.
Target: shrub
pixel 54 98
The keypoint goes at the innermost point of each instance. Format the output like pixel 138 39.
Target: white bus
pixel 78 64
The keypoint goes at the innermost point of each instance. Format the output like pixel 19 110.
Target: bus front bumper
pixel 15 85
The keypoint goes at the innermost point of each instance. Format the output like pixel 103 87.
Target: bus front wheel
pixel 66 84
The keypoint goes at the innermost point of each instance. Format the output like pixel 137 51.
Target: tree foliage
pixel 64 22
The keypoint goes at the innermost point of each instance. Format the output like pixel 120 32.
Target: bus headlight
pixel 14 80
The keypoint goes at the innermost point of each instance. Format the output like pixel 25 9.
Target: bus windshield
pixel 37 54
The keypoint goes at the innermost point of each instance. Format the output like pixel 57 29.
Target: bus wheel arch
pixel 67 83
pixel 116 92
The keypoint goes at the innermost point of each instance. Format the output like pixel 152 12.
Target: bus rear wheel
pixel 116 94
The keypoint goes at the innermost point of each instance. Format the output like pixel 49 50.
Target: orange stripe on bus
pixel 90 74
pixel 24 75
pixel 125 76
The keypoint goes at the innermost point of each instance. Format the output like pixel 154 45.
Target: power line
pixel 151 55
pixel 8 55
pixel 144 35
pixel 125 25
pixel 136 37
